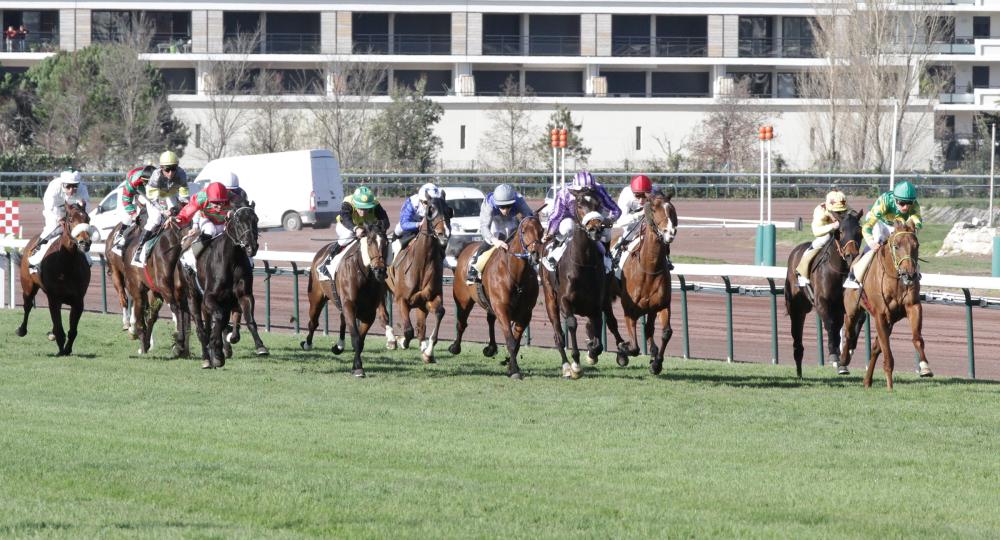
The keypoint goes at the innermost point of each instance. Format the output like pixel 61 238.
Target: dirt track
pixel 944 326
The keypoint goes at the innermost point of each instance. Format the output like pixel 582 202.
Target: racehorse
pixel 509 290
pixel 644 287
pixel 116 271
pixel 64 275
pixel 890 291
pixel 579 286
pixel 212 290
pixel 415 278
pixel 243 289
pixel 357 289
pixel 826 276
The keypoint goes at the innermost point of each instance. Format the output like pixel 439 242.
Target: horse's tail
pixel 309 282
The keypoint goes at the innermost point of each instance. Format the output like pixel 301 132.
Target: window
pixel 980 27
pixel 788 85
pixel 759 84
pixel 555 83
pixel 626 83
pixel 491 83
pixel 680 84
pixel 179 80
pixel 461 137
pixel 980 76
pixel 438 81
pixel 796 37
pixel 756 36
pixel 638 137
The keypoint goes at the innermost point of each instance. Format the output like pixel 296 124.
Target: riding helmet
pixel 216 193
pixel 641 184
pixel 428 191
pixel 363 198
pixel 504 195
pixel 905 191
pixel 582 180
pixel 836 201
pixel 70 177
pixel 168 159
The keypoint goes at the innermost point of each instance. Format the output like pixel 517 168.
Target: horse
pixel 243 289
pixel 212 290
pixel 509 290
pixel 64 275
pixel 357 289
pixel 418 283
pixel 116 271
pixel 826 275
pixel 644 287
pixel 890 291
pixel 579 286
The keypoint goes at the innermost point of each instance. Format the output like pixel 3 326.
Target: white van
pixel 289 188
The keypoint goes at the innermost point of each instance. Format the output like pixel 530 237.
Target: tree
pixel 563 118
pixel 877 53
pixel 404 131
pixel 507 143
pixel 273 129
pixel 227 80
pixel 344 113
pixel 727 137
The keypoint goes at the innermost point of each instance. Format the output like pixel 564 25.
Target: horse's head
pixel 439 220
pixel 76 226
pixel 661 215
pixel 593 224
pixel 848 235
pixel 586 201
pixel 530 233
pixel 377 245
pixel 241 227
pixel 904 247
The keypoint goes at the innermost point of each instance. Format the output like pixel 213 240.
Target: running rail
pixel 298 264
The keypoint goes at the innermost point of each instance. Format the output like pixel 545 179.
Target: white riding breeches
pixel 820 241
pixel 344 234
pixel 51 223
pixel 881 232
pixel 154 216
pixel 208 227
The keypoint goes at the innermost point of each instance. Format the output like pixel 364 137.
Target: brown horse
pixel 510 290
pixel 890 291
pixel 644 287
pixel 826 277
pixel 418 284
pixel 357 289
pixel 116 271
pixel 64 275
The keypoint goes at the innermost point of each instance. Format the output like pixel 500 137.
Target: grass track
pixel 106 443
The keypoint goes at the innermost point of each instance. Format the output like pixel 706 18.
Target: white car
pixel 465 203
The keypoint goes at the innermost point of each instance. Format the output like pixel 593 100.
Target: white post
pixel 563 168
pixel 993 151
pixel 769 181
pixel 761 182
pixel 892 153
pixel 3 283
pixel 555 168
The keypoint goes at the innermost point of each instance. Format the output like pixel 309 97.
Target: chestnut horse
pixel 644 287
pixel 416 275
pixel 890 291
pixel 826 277
pixel 64 275
pixel 510 288
pixel 357 289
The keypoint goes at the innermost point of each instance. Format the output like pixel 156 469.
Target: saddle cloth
pixel 335 263
pixel 632 246
pixel 555 254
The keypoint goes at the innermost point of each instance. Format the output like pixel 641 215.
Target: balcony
pixel 757 47
pixel 798 47
pixel 274 43
pixel 170 43
pixel 681 46
pixel 514 45
pixel 498 45
pixel 402 44
pixel 34 42
pixel 954 45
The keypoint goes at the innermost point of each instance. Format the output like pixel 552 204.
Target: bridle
pixel 524 253
pixel 434 216
pixel 898 261
pixel 240 233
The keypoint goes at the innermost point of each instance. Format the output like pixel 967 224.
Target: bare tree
pixel 878 53
pixel 226 80
pixel 508 143
pixel 345 111
pixel 727 137
pixel 274 128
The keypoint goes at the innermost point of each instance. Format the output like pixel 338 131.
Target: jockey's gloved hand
pixel 174 210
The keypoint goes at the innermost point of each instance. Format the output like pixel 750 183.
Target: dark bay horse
pixel 644 287
pixel 580 286
pixel 826 277
pixel 212 291
pixel 64 275
pixel 510 290
pixel 890 291
pixel 357 289
pixel 416 275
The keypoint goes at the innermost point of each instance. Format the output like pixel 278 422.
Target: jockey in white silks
pixel 67 188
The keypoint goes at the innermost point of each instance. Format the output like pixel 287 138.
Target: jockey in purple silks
pixel 563 215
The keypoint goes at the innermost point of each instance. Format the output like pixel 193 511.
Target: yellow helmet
pixel 836 201
pixel 168 158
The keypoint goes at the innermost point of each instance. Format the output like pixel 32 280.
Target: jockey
pixel 166 189
pixel 237 195
pixel 131 198
pixel 360 209
pixel 207 210
pixel 498 221
pixel 826 219
pixel 413 211
pixel 562 219
pixel 896 206
pixel 632 201
pixel 67 188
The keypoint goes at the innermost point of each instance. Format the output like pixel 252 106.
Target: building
pixel 640 74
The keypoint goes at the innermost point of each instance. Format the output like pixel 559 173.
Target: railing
pixel 299 263
pixel 171 43
pixel 757 47
pixel 274 43
pixel 682 46
pixel 954 45
pixel 503 45
pixel 631 46
pixel 402 44
pixel 34 42
pixel 554 45
pixel 798 47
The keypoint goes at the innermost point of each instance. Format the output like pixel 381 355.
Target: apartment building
pixel 640 74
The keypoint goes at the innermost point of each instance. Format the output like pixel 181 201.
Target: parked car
pixel 465 203
pixel 290 189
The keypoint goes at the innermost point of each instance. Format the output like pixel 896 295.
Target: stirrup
pixel 802 281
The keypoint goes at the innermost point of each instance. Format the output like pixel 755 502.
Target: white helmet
pixel 230 180
pixel 428 191
pixel 70 177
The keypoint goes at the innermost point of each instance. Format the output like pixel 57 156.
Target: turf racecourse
pixel 109 444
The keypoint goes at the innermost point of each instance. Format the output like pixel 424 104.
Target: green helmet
pixel 905 191
pixel 364 198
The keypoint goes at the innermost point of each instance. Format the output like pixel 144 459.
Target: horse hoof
pixel 403 343
pixel 925 370
pixel 390 345
pixel 428 359
pixel 228 352
pixel 358 373
pixel 517 376
pixel 622 359
pixel 305 346
pixel 591 360
pixel 233 338
pixel 842 370
pixel 455 348
pixel 51 336
pixel 490 351
pixel 575 371
pixel 205 364
pixel 337 349
pixel 21 331
pixel 262 351
pixel 656 367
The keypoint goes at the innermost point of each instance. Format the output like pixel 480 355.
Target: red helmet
pixel 217 193
pixel 641 184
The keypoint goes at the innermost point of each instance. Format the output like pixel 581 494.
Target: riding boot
pixel 851 282
pixel 36 255
pixel 324 268
pixel 139 257
pixel 119 243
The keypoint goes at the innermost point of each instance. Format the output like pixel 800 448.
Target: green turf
pixel 109 444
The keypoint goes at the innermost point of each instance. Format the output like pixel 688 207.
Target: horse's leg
pixel 421 335
pixel 514 346
pixel 247 307
pixel 612 323
pixel 666 332
pixel 797 314
pixel 437 309
pixel 391 341
pixel 461 323
pixel 513 370
pixel 594 347
pixel 338 347
pixel 915 314
pixel 356 340
pixel 75 311
pixel 198 313
pixel 218 322
pixel 628 349
pixel 150 322
pixel 552 309
pixel 28 292
pixel 570 321
pixel 888 362
pixel 870 368
pixel 317 300
pixel 55 311
pixel 235 318
pixel 490 350
pixel 833 321
pixel 403 307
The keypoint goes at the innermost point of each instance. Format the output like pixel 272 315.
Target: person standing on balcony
pixel 8 38
pixel 22 38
